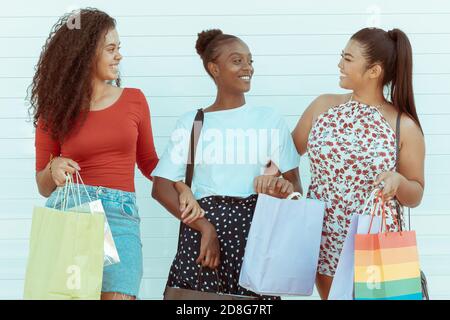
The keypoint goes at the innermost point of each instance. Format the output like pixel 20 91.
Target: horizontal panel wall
pixel 296 47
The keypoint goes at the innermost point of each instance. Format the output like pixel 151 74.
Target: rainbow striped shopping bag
pixel 387 264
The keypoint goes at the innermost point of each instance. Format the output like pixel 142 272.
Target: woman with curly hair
pixel 85 123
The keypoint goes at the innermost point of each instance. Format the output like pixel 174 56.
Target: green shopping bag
pixel 66 255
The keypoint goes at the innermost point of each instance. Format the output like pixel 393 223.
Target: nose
pixel 118 56
pixel 340 64
pixel 248 67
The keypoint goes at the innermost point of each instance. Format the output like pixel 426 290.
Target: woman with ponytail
pixel 351 139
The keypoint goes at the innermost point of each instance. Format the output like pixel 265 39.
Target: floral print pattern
pixel 348 147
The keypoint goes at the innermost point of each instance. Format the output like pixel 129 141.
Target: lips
pixel 246 78
pixel 115 67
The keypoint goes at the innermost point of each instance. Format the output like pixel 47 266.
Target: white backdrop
pixel 296 47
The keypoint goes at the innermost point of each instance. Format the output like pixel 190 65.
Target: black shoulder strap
pixel 397 138
pixel 397 158
pixel 195 135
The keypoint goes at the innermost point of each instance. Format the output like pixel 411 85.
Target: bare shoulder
pixel 411 130
pixel 325 101
pixel 408 124
pixel 318 106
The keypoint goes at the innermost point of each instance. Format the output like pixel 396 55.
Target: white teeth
pixel 246 78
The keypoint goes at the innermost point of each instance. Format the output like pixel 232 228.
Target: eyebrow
pixel 112 44
pixel 347 54
pixel 237 53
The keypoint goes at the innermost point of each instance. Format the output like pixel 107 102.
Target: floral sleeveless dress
pixel 348 147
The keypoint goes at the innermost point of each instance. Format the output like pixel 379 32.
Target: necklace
pixel 379 107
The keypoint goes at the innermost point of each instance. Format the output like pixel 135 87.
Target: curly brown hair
pixel 61 90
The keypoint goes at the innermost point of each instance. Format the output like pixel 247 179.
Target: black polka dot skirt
pixel 232 218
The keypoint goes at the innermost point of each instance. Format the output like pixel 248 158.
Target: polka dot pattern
pixel 232 218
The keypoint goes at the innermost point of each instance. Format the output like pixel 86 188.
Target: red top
pixel 108 144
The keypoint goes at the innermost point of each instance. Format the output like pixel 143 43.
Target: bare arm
pixel 45 182
pixel 165 192
pixel 302 129
pixel 411 165
pixel 189 207
pixel 407 184
pixel 294 177
pixel 273 184
pixel 181 187
pixel 54 175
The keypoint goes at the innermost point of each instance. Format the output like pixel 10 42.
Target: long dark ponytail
pixel 393 51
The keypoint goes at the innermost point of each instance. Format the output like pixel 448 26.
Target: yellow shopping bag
pixel 66 254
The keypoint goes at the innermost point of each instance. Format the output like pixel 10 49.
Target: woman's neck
pixel 369 96
pixel 225 101
pixel 99 88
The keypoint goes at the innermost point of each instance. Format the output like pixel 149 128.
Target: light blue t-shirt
pixel 234 147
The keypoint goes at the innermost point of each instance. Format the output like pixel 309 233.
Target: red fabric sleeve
pixel 45 146
pixel 146 157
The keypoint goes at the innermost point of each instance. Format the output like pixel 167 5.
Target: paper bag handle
pixel 293 195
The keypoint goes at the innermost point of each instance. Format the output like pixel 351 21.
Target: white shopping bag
pixel 282 249
pixel 111 255
pixel 342 285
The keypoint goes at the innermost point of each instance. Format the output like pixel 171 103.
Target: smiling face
pixel 354 71
pixel 233 70
pixel 107 67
